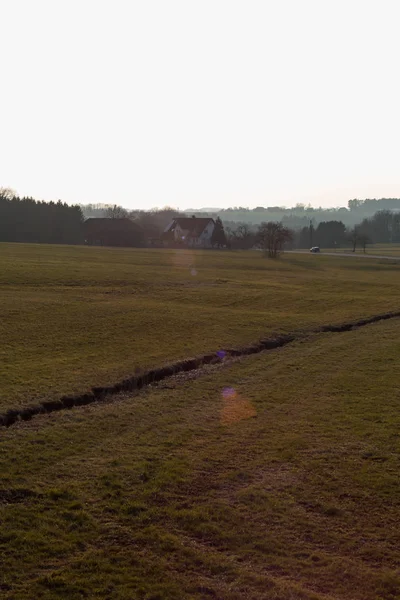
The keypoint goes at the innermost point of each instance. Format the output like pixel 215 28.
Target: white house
pixel 193 232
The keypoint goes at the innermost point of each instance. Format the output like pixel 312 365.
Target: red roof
pixel 194 225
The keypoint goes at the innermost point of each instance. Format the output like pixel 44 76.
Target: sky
pixel 200 103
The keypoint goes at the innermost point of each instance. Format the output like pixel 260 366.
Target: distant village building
pixel 112 232
pixel 192 232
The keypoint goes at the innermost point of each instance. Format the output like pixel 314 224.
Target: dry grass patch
pixel 77 317
pixel 154 496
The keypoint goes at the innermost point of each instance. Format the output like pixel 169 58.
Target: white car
pixel 315 249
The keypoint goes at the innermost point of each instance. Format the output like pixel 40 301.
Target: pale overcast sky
pixel 197 103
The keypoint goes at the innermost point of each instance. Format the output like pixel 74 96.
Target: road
pixel 346 254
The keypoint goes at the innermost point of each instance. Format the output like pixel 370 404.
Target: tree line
pixel 28 220
pixel 294 218
pixel 382 228
pixel 299 215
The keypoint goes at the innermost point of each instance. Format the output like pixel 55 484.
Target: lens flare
pixel 229 393
pixel 193 272
pixel 221 354
pixel 183 258
pixel 234 407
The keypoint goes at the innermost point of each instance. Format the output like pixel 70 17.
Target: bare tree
pixel 241 238
pixel 272 237
pixel 245 236
pixel 364 240
pixel 354 237
pixel 7 193
pixel 115 212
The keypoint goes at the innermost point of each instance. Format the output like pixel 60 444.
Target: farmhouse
pixel 112 232
pixel 190 231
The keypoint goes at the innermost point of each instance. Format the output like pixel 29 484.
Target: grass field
pixel 74 317
pixel 378 249
pixel 270 477
pixel 273 478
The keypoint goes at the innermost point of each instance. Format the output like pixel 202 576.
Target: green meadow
pixel 273 478
pixel 269 477
pixel 76 317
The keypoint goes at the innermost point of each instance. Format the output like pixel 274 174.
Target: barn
pixel 113 232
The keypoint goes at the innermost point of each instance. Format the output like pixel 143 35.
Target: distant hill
pixel 203 210
pixel 300 215
pixel 294 217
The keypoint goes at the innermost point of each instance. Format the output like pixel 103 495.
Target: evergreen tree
pixel 28 220
pixel 218 237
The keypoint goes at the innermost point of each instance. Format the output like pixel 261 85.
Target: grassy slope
pixel 287 490
pixel 73 317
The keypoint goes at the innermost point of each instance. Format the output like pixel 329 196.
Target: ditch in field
pixel 152 376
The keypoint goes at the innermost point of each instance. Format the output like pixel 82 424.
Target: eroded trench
pixel 152 376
